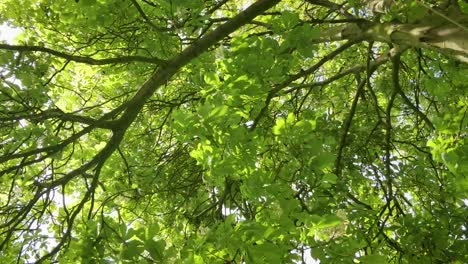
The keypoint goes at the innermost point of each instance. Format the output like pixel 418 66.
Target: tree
pixel 217 131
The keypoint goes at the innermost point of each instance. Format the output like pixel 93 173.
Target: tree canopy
pixel 222 131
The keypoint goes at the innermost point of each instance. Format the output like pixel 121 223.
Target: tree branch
pixel 145 17
pixel 83 59
pixel 299 75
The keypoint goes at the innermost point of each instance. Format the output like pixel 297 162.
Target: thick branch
pixel 447 38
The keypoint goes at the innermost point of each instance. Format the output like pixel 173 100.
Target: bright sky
pixel 8 34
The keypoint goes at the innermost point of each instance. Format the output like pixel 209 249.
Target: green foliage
pixel 214 132
pixel 463 6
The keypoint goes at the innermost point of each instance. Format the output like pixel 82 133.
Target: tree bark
pixel 431 33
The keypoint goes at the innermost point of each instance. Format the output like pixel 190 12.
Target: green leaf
pixel 279 126
pixel 416 12
pixel 330 178
pixel 132 249
pixel 290 119
pixel 155 249
pixel 86 3
pixel 219 112
pixel 285 22
pixel 329 221
pixel 187 4
pixel 211 78
pixel 463 6
pixel 373 259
